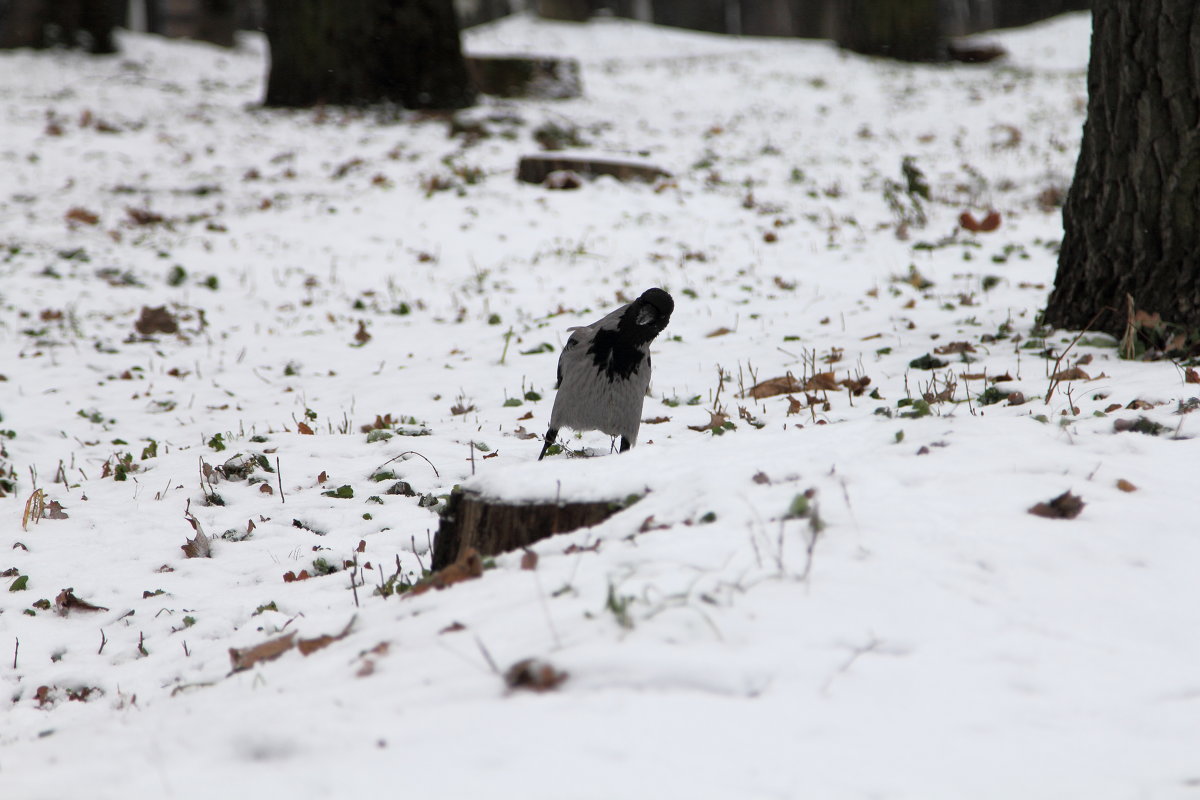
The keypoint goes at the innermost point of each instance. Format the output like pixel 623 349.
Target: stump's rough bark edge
pixel 493 526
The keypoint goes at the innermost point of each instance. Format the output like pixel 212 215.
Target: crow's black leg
pixel 551 435
pixel 625 445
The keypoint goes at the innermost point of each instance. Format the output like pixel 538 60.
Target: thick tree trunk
pixel 358 52
pixel 1131 216
pixel 908 30
pixel 59 23
pixel 696 15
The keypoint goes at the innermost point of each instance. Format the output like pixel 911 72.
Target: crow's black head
pixel 618 352
pixel 647 316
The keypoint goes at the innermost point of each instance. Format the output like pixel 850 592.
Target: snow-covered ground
pixel 907 630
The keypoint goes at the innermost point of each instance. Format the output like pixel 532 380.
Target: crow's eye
pixel 646 315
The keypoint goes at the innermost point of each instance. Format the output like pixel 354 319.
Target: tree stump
pixel 535 169
pixel 542 78
pixel 493 526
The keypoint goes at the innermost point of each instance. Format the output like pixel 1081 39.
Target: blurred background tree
pixel 356 52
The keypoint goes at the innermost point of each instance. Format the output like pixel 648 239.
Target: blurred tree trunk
pixel 909 30
pixel 569 10
pixel 358 52
pixel 1132 216
pixel 696 15
pixel 61 23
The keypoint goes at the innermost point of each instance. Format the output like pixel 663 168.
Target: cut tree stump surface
pixel 507 509
pixel 535 168
pixel 493 526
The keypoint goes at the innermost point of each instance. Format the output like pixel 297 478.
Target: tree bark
pixel 492 526
pixel 359 52
pixel 61 23
pixel 908 30
pixel 1130 219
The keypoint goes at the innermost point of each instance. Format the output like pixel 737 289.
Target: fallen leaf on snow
pixel 1065 506
pixel 529 559
pixel 469 565
pixel 773 386
pixel 821 382
pixel 715 421
pixel 1072 374
pixel 67 602
pixel 246 657
pixel 533 674
pixel 1125 486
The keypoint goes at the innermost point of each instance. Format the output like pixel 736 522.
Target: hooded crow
pixel 604 370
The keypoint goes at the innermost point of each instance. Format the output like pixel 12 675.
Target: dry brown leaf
pixel 67 602
pixel 954 347
pixel 973 376
pixel 525 416
pixel 773 386
pixel 246 657
pixel 469 565
pixel 307 646
pixel 529 559
pixel 1071 374
pixel 721 331
pixel 1191 376
pixel 533 674
pixel 1111 407
pixel 761 478
pixel 156 320
pixel 856 385
pixel 304 429
pixel 78 215
pixel 821 382
pixel 794 406
pixel 989 223
pixel 200 546
pixel 1125 486
pixel 361 335
pixel 1065 506
pixel 715 421
pixel 656 420
pixel 291 577
pixel 54 510
pixel 453 627
pixel 521 433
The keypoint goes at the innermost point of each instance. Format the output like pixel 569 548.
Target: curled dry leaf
pixel 1072 374
pixel 156 320
pixel 1191 376
pixel 821 382
pixel 715 421
pixel 989 223
pixel 773 386
pixel 1125 486
pixel 67 602
pixel 304 429
pixel 1065 506
pixel 469 565
pixel 721 331
pixel 533 674
pixel 655 420
pixel 954 347
pixel 529 559
pixel 199 546
pixel 247 657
